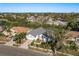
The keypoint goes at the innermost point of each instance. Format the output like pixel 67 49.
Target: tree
pixel 73 46
pixel 57 38
pixel 76 26
pixel 18 38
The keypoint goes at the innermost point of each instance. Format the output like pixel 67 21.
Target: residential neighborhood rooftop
pixel 20 29
pixel 3 20
pixel 37 31
pixel 72 34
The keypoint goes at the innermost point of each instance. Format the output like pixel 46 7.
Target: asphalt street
pixel 13 51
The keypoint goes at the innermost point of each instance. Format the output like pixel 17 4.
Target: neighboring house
pixel 77 18
pixel 50 21
pixel 1 16
pixel 18 30
pixel 14 16
pixel 58 22
pixel 38 33
pixel 3 19
pixel 72 36
pixel 31 19
pixel 6 33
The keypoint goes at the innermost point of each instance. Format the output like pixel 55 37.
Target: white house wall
pixel 30 37
pixel 12 32
pixel 40 37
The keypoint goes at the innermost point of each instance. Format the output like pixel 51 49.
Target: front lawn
pixel 3 39
pixel 69 50
pixel 40 44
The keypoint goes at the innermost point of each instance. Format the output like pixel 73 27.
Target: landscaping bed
pixel 18 44
pixel 68 50
pixel 3 39
pixel 40 46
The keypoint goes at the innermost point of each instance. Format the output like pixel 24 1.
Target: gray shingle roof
pixel 37 31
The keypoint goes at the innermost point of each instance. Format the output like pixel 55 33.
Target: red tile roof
pixel 72 34
pixel 20 29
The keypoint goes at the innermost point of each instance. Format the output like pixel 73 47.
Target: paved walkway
pixel 10 43
pixel 25 44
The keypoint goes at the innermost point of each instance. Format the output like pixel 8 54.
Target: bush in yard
pixel 18 38
pixel 73 46
pixel 32 43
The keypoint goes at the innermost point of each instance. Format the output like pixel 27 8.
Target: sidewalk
pixel 65 53
pixel 46 53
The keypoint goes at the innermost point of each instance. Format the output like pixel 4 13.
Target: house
pixel 72 36
pixel 50 21
pixel 58 22
pixel 31 19
pixel 3 20
pixel 18 30
pixel 77 18
pixel 39 33
pixel 6 33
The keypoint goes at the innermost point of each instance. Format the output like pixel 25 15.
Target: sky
pixel 39 7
